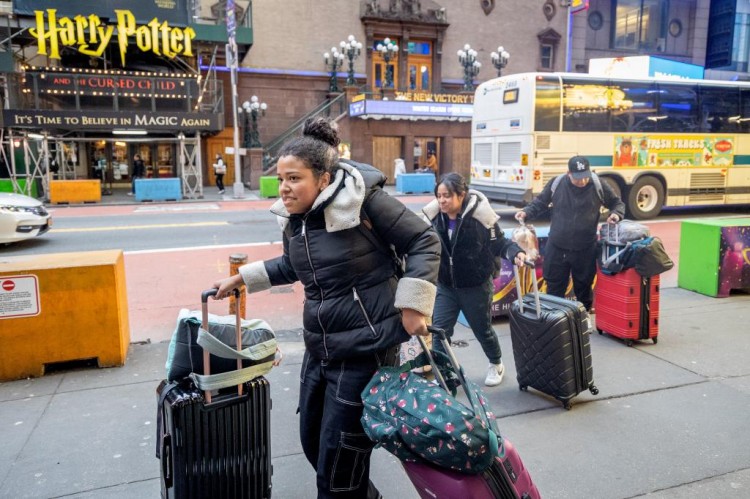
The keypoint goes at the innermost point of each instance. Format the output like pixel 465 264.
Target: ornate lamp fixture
pixel 500 59
pixel 468 59
pixel 253 111
pixel 388 50
pixel 351 49
pixel 333 60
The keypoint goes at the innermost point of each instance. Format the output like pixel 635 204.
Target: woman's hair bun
pixel 322 129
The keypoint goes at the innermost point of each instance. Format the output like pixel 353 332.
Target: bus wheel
pixel 645 198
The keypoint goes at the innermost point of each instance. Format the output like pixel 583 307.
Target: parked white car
pixel 21 217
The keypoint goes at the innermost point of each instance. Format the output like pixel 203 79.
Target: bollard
pixel 237 260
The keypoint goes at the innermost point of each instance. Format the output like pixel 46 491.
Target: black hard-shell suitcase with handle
pixel 215 445
pixel 551 349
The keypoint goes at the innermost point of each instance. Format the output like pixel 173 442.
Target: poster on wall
pixel 734 270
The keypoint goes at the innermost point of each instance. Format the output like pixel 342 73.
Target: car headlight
pixel 36 210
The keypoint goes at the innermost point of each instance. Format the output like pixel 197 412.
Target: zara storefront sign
pixel 107 120
pixel 90 36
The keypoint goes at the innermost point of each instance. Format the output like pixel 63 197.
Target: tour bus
pixel 657 142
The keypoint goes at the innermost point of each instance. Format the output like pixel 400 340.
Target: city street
pixel 670 421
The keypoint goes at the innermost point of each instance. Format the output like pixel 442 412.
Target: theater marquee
pixel 162 121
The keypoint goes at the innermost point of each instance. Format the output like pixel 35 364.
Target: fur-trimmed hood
pixel 476 201
pixel 343 198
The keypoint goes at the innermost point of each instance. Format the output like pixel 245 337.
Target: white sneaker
pixel 130 193
pixel 495 374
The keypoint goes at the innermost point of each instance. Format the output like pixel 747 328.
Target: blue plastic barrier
pixel 408 183
pixel 158 189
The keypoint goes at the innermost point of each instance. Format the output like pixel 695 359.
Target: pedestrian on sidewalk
pixel 139 171
pixel 338 228
pixel 471 241
pixel 219 170
pixel 575 200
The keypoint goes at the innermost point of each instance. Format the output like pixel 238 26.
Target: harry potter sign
pixel 91 36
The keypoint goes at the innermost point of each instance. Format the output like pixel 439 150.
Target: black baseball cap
pixel 579 167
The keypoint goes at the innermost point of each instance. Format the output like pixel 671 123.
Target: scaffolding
pixel 38 156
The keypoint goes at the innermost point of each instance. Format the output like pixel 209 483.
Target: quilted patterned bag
pixel 417 419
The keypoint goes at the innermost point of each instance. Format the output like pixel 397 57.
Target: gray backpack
pixel 594 180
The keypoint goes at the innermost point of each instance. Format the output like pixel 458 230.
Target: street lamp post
pixel 468 59
pixel 351 49
pixel 500 59
pixel 253 111
pixel 333 60
pixel 388 50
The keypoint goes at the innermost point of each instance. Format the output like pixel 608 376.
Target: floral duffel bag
pixel 417 419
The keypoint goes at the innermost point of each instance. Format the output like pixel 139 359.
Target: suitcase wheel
pixel 566 404
pixel 523 388
pixel 594 390
pixel 600 331
pixel 655 339
pixel 629 343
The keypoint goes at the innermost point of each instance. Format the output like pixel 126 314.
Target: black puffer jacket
pixel 468 258
pixel 575 212
pixel 352 296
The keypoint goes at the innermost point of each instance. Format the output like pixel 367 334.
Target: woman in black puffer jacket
pixel 338 226
pixel 471 239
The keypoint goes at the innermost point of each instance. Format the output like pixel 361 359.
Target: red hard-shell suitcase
pixel 215 445
pixel 627 305
pixel 551 348
pixel 507 478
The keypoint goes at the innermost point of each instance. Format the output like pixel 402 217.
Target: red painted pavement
pixel 160 284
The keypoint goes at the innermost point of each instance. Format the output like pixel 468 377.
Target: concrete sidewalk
pixel 670 421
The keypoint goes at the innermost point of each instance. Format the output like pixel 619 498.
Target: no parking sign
pixel 19 296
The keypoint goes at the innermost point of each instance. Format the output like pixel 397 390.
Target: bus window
pixel 586 105
pixel 678 108
pixel 547 112
pixel 720 109
pixel 636 110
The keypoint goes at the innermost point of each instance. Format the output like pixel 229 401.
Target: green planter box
pixel 712 256
pixel 7 186
pixel 269 187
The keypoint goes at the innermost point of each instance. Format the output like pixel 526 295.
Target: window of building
pixel 419 66
pixel 546 56
pixel 640 24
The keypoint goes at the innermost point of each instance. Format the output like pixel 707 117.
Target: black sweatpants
pixel 560 264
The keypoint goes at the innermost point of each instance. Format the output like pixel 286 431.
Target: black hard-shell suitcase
pixel 550 337
pixel 215 445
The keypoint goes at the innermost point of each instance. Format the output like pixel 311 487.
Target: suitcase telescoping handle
pixel 454 361
pixel 480 410
pixel 534 285
pixel 204 325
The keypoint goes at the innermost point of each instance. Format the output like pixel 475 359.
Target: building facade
pixel 88 85
pixel 428 106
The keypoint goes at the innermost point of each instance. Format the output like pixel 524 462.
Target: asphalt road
pixel 210 224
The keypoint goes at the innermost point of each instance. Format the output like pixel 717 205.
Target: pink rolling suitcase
pixel 506 478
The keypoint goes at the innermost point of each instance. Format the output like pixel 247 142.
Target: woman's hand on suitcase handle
pixel 414 322
pixel 613 218
pixel 225 286
pixel 520 259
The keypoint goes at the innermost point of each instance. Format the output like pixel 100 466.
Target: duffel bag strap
pixel 216 347
pixel 230 378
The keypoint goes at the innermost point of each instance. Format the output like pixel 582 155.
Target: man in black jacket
pixel 575 203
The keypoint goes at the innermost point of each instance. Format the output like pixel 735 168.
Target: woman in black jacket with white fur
pixel 471 239
pixel 338 225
